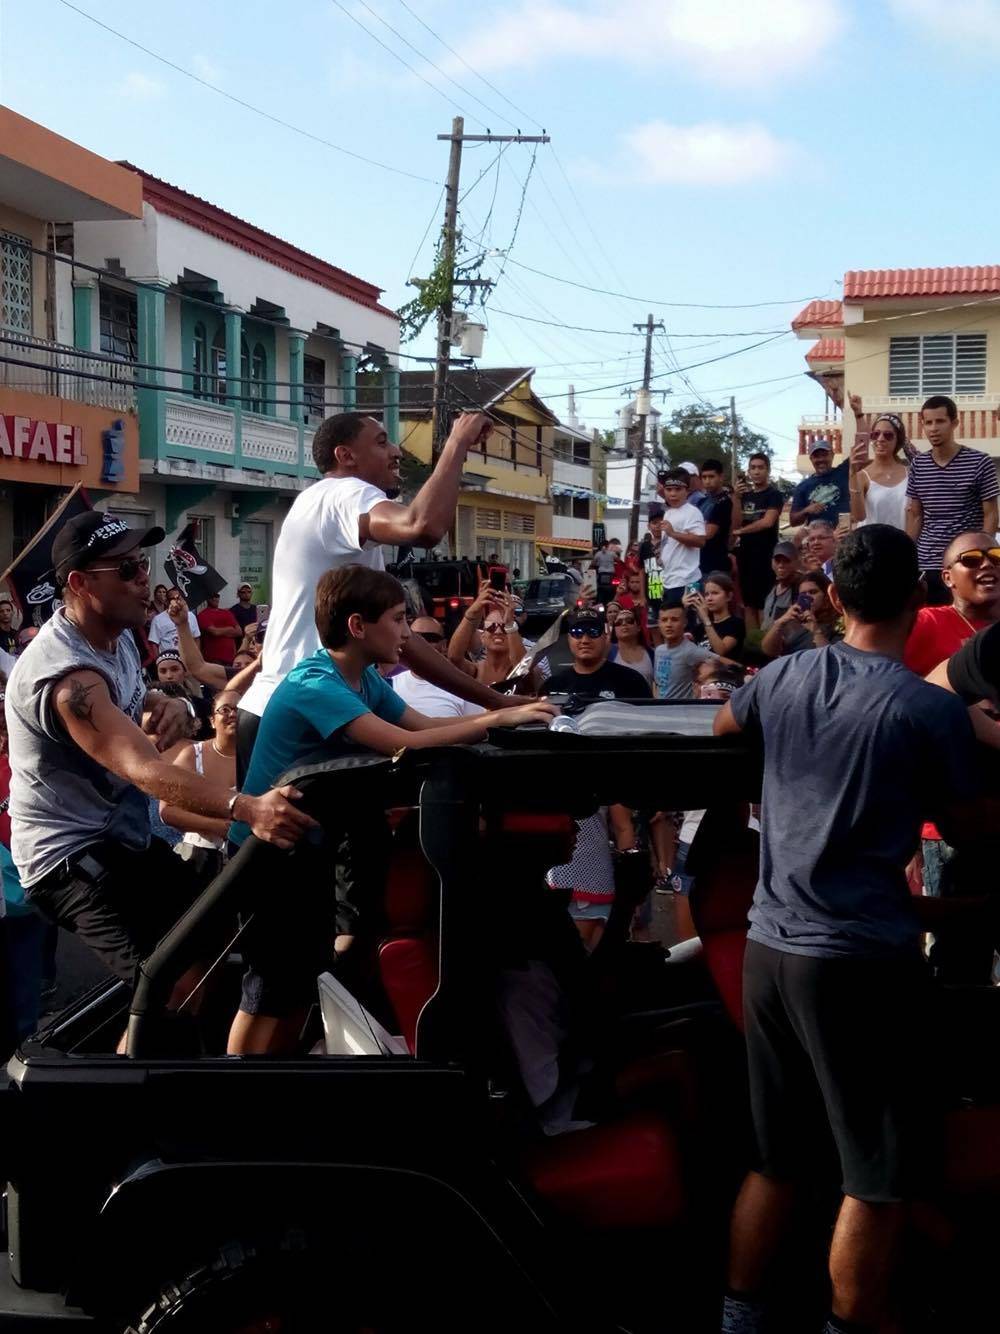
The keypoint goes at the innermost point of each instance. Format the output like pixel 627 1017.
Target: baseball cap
pixel 92 536
pixel 244 585
pixel 785 549
pixel 586 616
pixel 819 446
pixel 690 467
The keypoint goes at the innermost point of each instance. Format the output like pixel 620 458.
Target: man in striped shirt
pixel 952 489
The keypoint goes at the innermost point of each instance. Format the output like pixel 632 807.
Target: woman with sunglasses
pixel 629 647
pixel 812 621
pixel 500 647
pixel 204 841
pixel 878 485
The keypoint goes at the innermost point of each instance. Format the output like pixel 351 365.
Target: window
pixel 937 364
pixel 581 507
pixel 15 282
pixel 314 375
pixel 581 452
pixel 253 373
pixel 488 519
pixel 218 391
pixel 119 323
pixel 199 361
pixel 203 533
pixel 518 523
pixel 561 507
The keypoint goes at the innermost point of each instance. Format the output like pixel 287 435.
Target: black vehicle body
pixel 178 1189
pixel 446 588
pixel 546 597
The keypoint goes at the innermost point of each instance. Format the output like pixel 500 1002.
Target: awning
pixel 565 543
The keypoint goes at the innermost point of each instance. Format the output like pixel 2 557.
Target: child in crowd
pixel 676 659
pixel 337 700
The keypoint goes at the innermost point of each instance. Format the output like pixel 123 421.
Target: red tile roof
pixel 826 349
pixel 208 217
pixel 819 314
pixel 865 284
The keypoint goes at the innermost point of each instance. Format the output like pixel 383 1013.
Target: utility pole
pixel 734 433
pixel 445 309
pixel 643 406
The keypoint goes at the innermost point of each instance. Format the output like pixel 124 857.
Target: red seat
pixel 408 967
pixel 626 1174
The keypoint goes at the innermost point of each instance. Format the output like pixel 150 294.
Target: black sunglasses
pixel 975 558
pixel 126 569
pixel 591 631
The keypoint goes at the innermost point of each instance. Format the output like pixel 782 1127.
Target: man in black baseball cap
pixel 591 675
pixel 85 743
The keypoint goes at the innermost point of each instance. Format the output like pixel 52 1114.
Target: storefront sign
pixel 41 442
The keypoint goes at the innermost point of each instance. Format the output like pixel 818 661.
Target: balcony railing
pixel 64 372
pixel 211 433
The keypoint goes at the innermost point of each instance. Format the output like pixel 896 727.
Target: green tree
pixel 694 436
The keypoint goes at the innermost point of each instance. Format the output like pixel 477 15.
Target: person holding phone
pixel 718 629
pixel 812 621
pixel 490 621
pixel 878 485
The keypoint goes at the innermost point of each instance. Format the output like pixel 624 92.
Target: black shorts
pixel 842 1047
pixel 756 578
pixel 334 887
pixel 119 901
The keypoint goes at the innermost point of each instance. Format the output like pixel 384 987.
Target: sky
pixel 717 162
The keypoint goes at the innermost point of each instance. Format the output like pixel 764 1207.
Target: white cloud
pixel 731 41
pixel 709 154
pixel 140 87
pixel 970 24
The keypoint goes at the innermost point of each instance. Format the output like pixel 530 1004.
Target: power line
pixel 406 42
pixel 451 49
pixel 420 244
pixel 652 301
pixel 239 101
pixel 405 63
pixel 517 222
pixel 623 333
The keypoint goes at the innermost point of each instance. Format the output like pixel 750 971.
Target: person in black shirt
pixel 244 610
pixel 8 635
pixel 760 505
pixel 718 629
pixel 717 511
pixel 591 674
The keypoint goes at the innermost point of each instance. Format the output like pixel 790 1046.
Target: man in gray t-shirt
pixel 83 760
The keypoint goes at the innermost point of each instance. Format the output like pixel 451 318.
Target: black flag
pixel 31 579
pixel 185 567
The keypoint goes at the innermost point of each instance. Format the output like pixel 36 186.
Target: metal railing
pixel 61 371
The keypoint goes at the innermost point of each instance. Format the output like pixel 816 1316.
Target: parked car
pixel 547 597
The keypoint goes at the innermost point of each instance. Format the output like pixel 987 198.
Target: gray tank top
pixel 61 801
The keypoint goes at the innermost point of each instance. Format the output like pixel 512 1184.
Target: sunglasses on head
pixel 975 558
pixel 126 569
pixel 495 628
pixel 590 631
pixel 430 636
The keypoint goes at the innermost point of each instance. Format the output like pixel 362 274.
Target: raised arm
pixel 208 673
pixel 464 633
pixel 110 738
pixel 431 512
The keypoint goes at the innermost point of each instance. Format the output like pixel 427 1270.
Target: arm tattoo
pixel 79 703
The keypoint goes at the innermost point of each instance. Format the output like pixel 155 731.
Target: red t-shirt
pixel 938 633
pixel 218 648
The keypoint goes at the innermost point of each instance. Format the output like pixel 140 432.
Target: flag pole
pixel 41 532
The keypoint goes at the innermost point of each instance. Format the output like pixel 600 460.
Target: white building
pixel 621 472
pixel 243 343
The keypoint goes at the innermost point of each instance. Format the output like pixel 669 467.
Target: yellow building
pixel 504 503
pixel 899 336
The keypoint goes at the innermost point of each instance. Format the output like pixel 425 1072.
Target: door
pixel 255 558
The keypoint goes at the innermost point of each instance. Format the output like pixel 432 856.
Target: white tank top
pixel 195 839
pixel 886 504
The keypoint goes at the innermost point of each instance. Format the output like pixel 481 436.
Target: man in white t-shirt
pixel 162 632
pixel 428 699
pixel 682 535
pixel 344 519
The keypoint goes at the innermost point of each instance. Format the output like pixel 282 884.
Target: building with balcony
pixel 240 344
pixel 64 419
pixel 620 471
pixel 577 500
pixel 899 336
pixel 504 504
